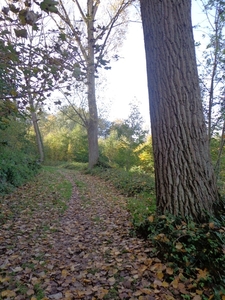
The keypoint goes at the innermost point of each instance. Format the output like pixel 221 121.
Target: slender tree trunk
pixel 185 181
pixel 93 112
pixel 37 132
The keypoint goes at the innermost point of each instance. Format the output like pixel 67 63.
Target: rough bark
pixel 93 112
pixel 185 183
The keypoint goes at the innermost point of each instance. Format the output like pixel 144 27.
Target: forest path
pixel 86 252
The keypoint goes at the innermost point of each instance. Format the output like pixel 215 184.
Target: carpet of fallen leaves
pixel 83 252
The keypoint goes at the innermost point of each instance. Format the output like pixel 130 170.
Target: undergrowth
pixel 129 183
pixel 196 249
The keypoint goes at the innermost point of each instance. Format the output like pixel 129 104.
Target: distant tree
pixel 212 79
pixel 185 181
pixel 132 127
pixel 145 155
pixel 89 34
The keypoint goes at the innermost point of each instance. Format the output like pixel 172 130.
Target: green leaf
pixel 49 6
pixel 21 33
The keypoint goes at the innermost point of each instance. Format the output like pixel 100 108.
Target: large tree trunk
pixel 93 112
pixel 185 182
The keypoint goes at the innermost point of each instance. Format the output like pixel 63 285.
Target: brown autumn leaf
pixel 102 292
pixel 30 292
pixel 197 297
pixel 169 271
pixel 80 253
pixel 146 291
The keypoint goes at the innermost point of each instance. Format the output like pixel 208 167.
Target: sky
pixel 127 80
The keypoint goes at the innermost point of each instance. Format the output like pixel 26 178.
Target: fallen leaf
pixel 30 292
pixel 197 297
pixel 202 274
pixel 151 218
pixel 111 280
pixel 8 293
pixel 165 284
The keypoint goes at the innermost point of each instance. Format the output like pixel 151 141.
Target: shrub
pixel 194 248
pixel 17 163
pixel 129 183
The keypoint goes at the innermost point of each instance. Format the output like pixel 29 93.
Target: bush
pixel 15 169
pixel 129 183
pixel 197 249
pixel 17 163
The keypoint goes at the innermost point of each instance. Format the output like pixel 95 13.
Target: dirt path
pixel 88 254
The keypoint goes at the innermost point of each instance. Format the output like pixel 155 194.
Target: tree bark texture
pixel 93 112
pixel 185 183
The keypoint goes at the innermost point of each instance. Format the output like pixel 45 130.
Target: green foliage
pixel 118 151
pixel 145 155
pixel 17 163
pixel 197 249
pixel 74 166
pixel 7 109
pixel 64 140
pixel 129 183
pixel 218 160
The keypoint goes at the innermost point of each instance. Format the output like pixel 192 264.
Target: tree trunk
pixel 93 112
pixel 37 131
pixel 185 182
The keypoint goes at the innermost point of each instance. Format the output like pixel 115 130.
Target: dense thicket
pixel 18 161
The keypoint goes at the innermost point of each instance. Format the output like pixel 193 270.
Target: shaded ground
pixel 83 252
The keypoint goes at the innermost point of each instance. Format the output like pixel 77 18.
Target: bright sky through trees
pixel 127 80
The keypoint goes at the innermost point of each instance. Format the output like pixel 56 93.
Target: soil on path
pixel 89 253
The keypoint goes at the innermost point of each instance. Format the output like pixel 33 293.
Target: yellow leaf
pixel 142 268
pixel 151 218
pixel 8 293
pixel 165 284
pixel 202 274
pixel 146 291
pixel 160 275
pixel 175 283
pixel 211 225
pixel 223 297
pixel 169 271
pixel 65 273
pixel 68 295
pixel 102 293
pixel 179 246
pixel 4 279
